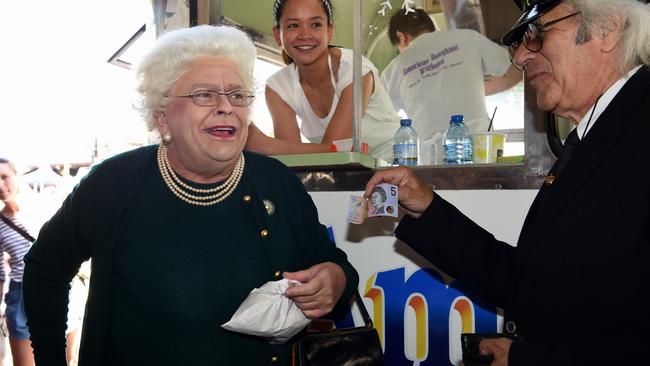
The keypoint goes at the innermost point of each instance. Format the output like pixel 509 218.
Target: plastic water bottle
pixel 405 146
pixel 457 142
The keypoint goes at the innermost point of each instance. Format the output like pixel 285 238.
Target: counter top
pixel 331 160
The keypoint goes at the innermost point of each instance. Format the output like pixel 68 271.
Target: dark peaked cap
pixel 532 9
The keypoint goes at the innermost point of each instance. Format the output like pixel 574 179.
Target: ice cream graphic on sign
pixel 420 318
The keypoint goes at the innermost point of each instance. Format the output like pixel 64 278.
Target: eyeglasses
pixel 210 98
pixel 533 37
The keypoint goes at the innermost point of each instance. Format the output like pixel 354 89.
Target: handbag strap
pixel 362 308
pixel 17 228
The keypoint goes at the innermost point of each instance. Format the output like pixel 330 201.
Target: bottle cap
pixel 405 122
pixel 456 118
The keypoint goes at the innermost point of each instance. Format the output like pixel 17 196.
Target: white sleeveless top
pixel 379 121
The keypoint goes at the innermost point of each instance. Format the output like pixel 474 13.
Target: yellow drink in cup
pixel 487 146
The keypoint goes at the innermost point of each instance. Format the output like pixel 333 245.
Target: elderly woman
pixel 181 232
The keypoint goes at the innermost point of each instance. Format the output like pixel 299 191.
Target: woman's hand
pixel 322 287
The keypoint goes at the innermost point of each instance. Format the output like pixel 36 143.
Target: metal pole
pixel 216 11
pixel 203 12
pixel 356 72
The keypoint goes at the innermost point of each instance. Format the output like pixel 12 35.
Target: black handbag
pixel 358 346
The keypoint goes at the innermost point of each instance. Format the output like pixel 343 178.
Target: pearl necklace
pixel 180 189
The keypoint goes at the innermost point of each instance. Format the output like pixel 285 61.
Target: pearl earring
pixel 167 137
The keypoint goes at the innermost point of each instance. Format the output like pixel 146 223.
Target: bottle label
pixel 458 151
pixel 405 154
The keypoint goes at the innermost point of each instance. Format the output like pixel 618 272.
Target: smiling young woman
pixel 316 87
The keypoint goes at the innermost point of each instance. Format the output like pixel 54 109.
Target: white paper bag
pixel 267 313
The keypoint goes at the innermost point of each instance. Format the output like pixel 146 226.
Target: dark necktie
pixel 570 147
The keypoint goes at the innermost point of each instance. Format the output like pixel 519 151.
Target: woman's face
pixel 376 200
pixel 205 138
pixel 8 186
pixel 304 32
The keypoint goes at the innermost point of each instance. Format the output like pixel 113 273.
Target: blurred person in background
pixel 15 241
pixel 4 332
pixel 180 232
pixel 442 73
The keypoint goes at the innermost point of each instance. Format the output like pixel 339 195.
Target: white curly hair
pixel 173 53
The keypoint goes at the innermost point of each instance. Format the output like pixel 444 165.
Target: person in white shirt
pixel 316 87
pixel 442 73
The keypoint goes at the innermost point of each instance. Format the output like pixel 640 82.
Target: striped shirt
pixel 16 246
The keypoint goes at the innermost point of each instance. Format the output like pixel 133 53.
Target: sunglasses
pixel 533 37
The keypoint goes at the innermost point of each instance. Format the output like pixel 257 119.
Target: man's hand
pixel 414 195
pixel 497 347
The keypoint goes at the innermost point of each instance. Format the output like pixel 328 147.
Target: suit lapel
pixel 531 212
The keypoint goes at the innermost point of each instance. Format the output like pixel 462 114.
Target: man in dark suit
pixel 576 287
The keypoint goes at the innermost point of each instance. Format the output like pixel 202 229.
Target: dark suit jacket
pixel 577 284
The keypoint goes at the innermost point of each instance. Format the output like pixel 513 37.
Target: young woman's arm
pixel 285 124
pixel 262 144
pixel 340 126
pixel 285 128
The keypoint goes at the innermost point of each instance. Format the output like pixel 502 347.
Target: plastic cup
pixel 487 146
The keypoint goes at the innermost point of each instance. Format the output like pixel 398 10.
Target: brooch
pixel 269 206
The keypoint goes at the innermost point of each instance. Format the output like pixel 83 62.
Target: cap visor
pixel 517 31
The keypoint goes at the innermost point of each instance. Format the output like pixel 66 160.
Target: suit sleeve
pixel 586 350
pixel 460 248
